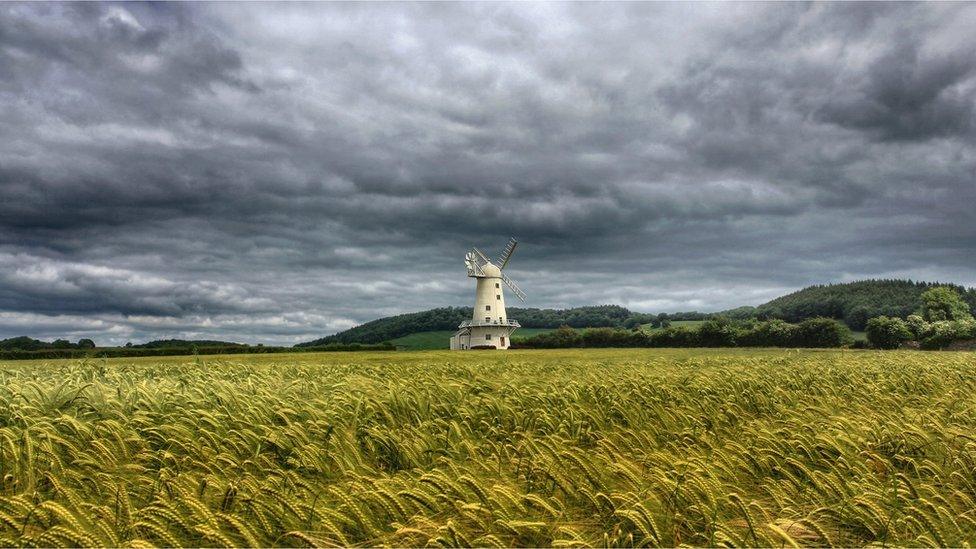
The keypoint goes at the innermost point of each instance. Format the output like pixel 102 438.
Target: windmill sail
pixel 472 264
pixel 513 286
pixel 507 253
pixel 481 256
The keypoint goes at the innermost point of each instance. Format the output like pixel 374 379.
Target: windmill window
pixel 497 286
pixel 498 297
pixel 487 319
pixel 487 307
pixel 488 336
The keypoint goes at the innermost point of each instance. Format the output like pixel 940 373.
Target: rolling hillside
pixel 855 302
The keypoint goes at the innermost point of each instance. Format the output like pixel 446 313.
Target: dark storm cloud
pixel 274 173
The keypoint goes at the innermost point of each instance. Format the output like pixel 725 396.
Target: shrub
pixel 560 338
pixel 612 337
pixel 674 336
pixel 717 332
pixel 917 326
pixel 938 335
pixel 887 333
pixel 944 303
pixel 771 333
pixel 822 332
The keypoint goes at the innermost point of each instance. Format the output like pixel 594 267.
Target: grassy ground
pixel 432 341
pixel 590 447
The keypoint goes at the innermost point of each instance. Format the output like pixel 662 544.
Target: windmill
pixel 489 326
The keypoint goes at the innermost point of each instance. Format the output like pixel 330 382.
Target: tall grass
pixel 558 448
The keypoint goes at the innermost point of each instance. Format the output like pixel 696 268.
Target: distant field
pixel 432 341
pixel 675 323
pixel 564 448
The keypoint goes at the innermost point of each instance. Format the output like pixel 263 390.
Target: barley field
pixel 608 448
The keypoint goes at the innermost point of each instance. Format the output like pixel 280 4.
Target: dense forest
pixel 855 302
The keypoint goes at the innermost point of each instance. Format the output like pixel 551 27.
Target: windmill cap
pixel 491 271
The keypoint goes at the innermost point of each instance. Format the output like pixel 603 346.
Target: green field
pixel 608 448
pixel 676 324
pixel 432 341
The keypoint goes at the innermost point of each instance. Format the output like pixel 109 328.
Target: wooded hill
pixel 853 302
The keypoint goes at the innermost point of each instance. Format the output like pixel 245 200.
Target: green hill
pixel 447 318
pixel 855 302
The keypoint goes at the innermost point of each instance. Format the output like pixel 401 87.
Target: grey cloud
pixel 270 173
pixel 906 95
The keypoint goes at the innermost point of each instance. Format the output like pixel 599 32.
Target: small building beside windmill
pixel 489 327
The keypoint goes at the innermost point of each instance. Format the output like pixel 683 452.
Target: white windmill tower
pixel 489 326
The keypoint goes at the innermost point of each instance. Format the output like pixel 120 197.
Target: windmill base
pixel 482 337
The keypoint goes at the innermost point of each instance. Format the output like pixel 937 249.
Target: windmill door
pixel 502 339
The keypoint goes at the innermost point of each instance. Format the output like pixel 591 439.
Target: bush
pixel 822 332
pixel 771 333
pixel 938 335
pixel 717 332
pixel 673 336
pixel 612 337
pixel 562 338
pixel 887 333
pixel 917 326
pixel 944 303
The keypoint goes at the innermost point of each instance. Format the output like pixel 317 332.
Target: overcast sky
pixel 275 173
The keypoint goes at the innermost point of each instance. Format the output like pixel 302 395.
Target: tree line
pixel 24 343
pixel 133 351
pixel 714 332
pixel 943 319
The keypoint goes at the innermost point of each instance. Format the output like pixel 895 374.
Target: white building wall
pixel 489 301
pixel 499 336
